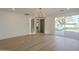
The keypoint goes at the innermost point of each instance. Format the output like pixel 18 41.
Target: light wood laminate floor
pixel 39 42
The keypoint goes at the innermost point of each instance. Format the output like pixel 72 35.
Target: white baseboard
pixel 11 36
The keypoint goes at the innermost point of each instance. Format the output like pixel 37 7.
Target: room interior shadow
pixel 42 25
pixel 32 25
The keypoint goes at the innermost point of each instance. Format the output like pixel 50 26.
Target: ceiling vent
pixel 26 14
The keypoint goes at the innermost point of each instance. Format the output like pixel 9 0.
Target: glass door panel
pixel 67 26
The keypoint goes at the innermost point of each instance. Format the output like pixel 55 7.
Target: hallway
pixel 39 42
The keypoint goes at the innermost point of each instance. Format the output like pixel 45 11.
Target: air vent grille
pixel 26 14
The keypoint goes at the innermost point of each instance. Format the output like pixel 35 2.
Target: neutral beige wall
pixel 49 25
pixel 13 24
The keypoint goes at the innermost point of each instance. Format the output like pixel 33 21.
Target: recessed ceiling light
pixel 56 18
pixel 26 14
pixel 63 17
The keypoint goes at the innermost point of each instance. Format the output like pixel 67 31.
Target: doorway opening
pixel 40 26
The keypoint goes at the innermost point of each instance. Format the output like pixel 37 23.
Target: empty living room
pixel 39 29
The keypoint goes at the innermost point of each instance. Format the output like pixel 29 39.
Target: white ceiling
pixel 46 11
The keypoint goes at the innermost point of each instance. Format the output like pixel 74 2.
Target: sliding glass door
pixel 67 26
pixel 59 25
pixel 72 23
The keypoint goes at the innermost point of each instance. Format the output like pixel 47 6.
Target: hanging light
pixel 40 13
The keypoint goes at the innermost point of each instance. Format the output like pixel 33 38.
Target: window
pixel 70 23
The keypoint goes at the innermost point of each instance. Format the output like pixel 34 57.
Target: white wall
pixel 49 25
pixel 13 24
